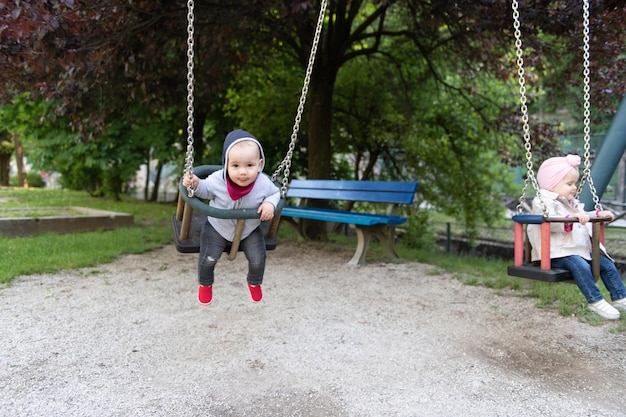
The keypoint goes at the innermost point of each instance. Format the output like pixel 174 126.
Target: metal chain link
pixel 190 93
pixel 526 129
pixel 587 135
pixel 530 175
pixel 285 165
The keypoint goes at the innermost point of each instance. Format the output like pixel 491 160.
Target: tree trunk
pixel 6 150
pixel 22 180
pixel 5 162
pixel 157 182
pixel 146 184
pixel 319 144
pixel 320 116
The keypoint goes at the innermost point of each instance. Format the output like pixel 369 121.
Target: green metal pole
pixel 608 157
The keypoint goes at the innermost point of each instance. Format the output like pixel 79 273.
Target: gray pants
pixel 212 245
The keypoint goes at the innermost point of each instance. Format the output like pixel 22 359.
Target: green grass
pixel 51 252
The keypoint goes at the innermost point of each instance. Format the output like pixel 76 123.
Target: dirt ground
pixel 328 339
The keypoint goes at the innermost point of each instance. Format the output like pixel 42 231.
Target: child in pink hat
pixel 570 243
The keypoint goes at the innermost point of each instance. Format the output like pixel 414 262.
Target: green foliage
pixel 6 147
pixel 387 127
pixel 101 166
pixel 16 116
pixel 419 234
pixel 263 99
pixel 372 107
pixel 452 149
pixel 34 180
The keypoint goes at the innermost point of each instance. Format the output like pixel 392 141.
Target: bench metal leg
pixel 385 235
pixel 363 240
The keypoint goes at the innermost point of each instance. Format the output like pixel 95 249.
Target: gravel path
pixel 399 339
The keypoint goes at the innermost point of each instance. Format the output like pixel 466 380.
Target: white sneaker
pixel 620 304
pixel 604 309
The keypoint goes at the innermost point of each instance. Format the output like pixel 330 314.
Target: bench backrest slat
pixel 394 192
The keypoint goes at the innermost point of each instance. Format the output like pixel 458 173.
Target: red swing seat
pixel 542 270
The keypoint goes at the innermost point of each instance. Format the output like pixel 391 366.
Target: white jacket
pixel 562 243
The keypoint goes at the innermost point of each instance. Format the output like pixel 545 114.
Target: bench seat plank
pixel 393 192
pixel 338 216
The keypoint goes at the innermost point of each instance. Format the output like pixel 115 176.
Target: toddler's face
pixel 244 163
pixel 567 186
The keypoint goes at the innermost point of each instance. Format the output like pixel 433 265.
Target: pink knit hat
pixel 553 170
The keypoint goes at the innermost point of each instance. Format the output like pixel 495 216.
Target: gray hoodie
pixel 214 189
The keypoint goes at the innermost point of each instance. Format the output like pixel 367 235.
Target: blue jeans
pixel 212 244
pixel 580 269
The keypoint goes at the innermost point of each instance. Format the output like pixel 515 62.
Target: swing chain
pixel 587 136
pixel 285 165
pixel 190 93
pixel 530 176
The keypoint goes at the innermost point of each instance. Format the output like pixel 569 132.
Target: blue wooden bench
pixel 381 226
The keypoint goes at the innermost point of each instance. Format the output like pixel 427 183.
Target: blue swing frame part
pixel 191 214
pixel 542 270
